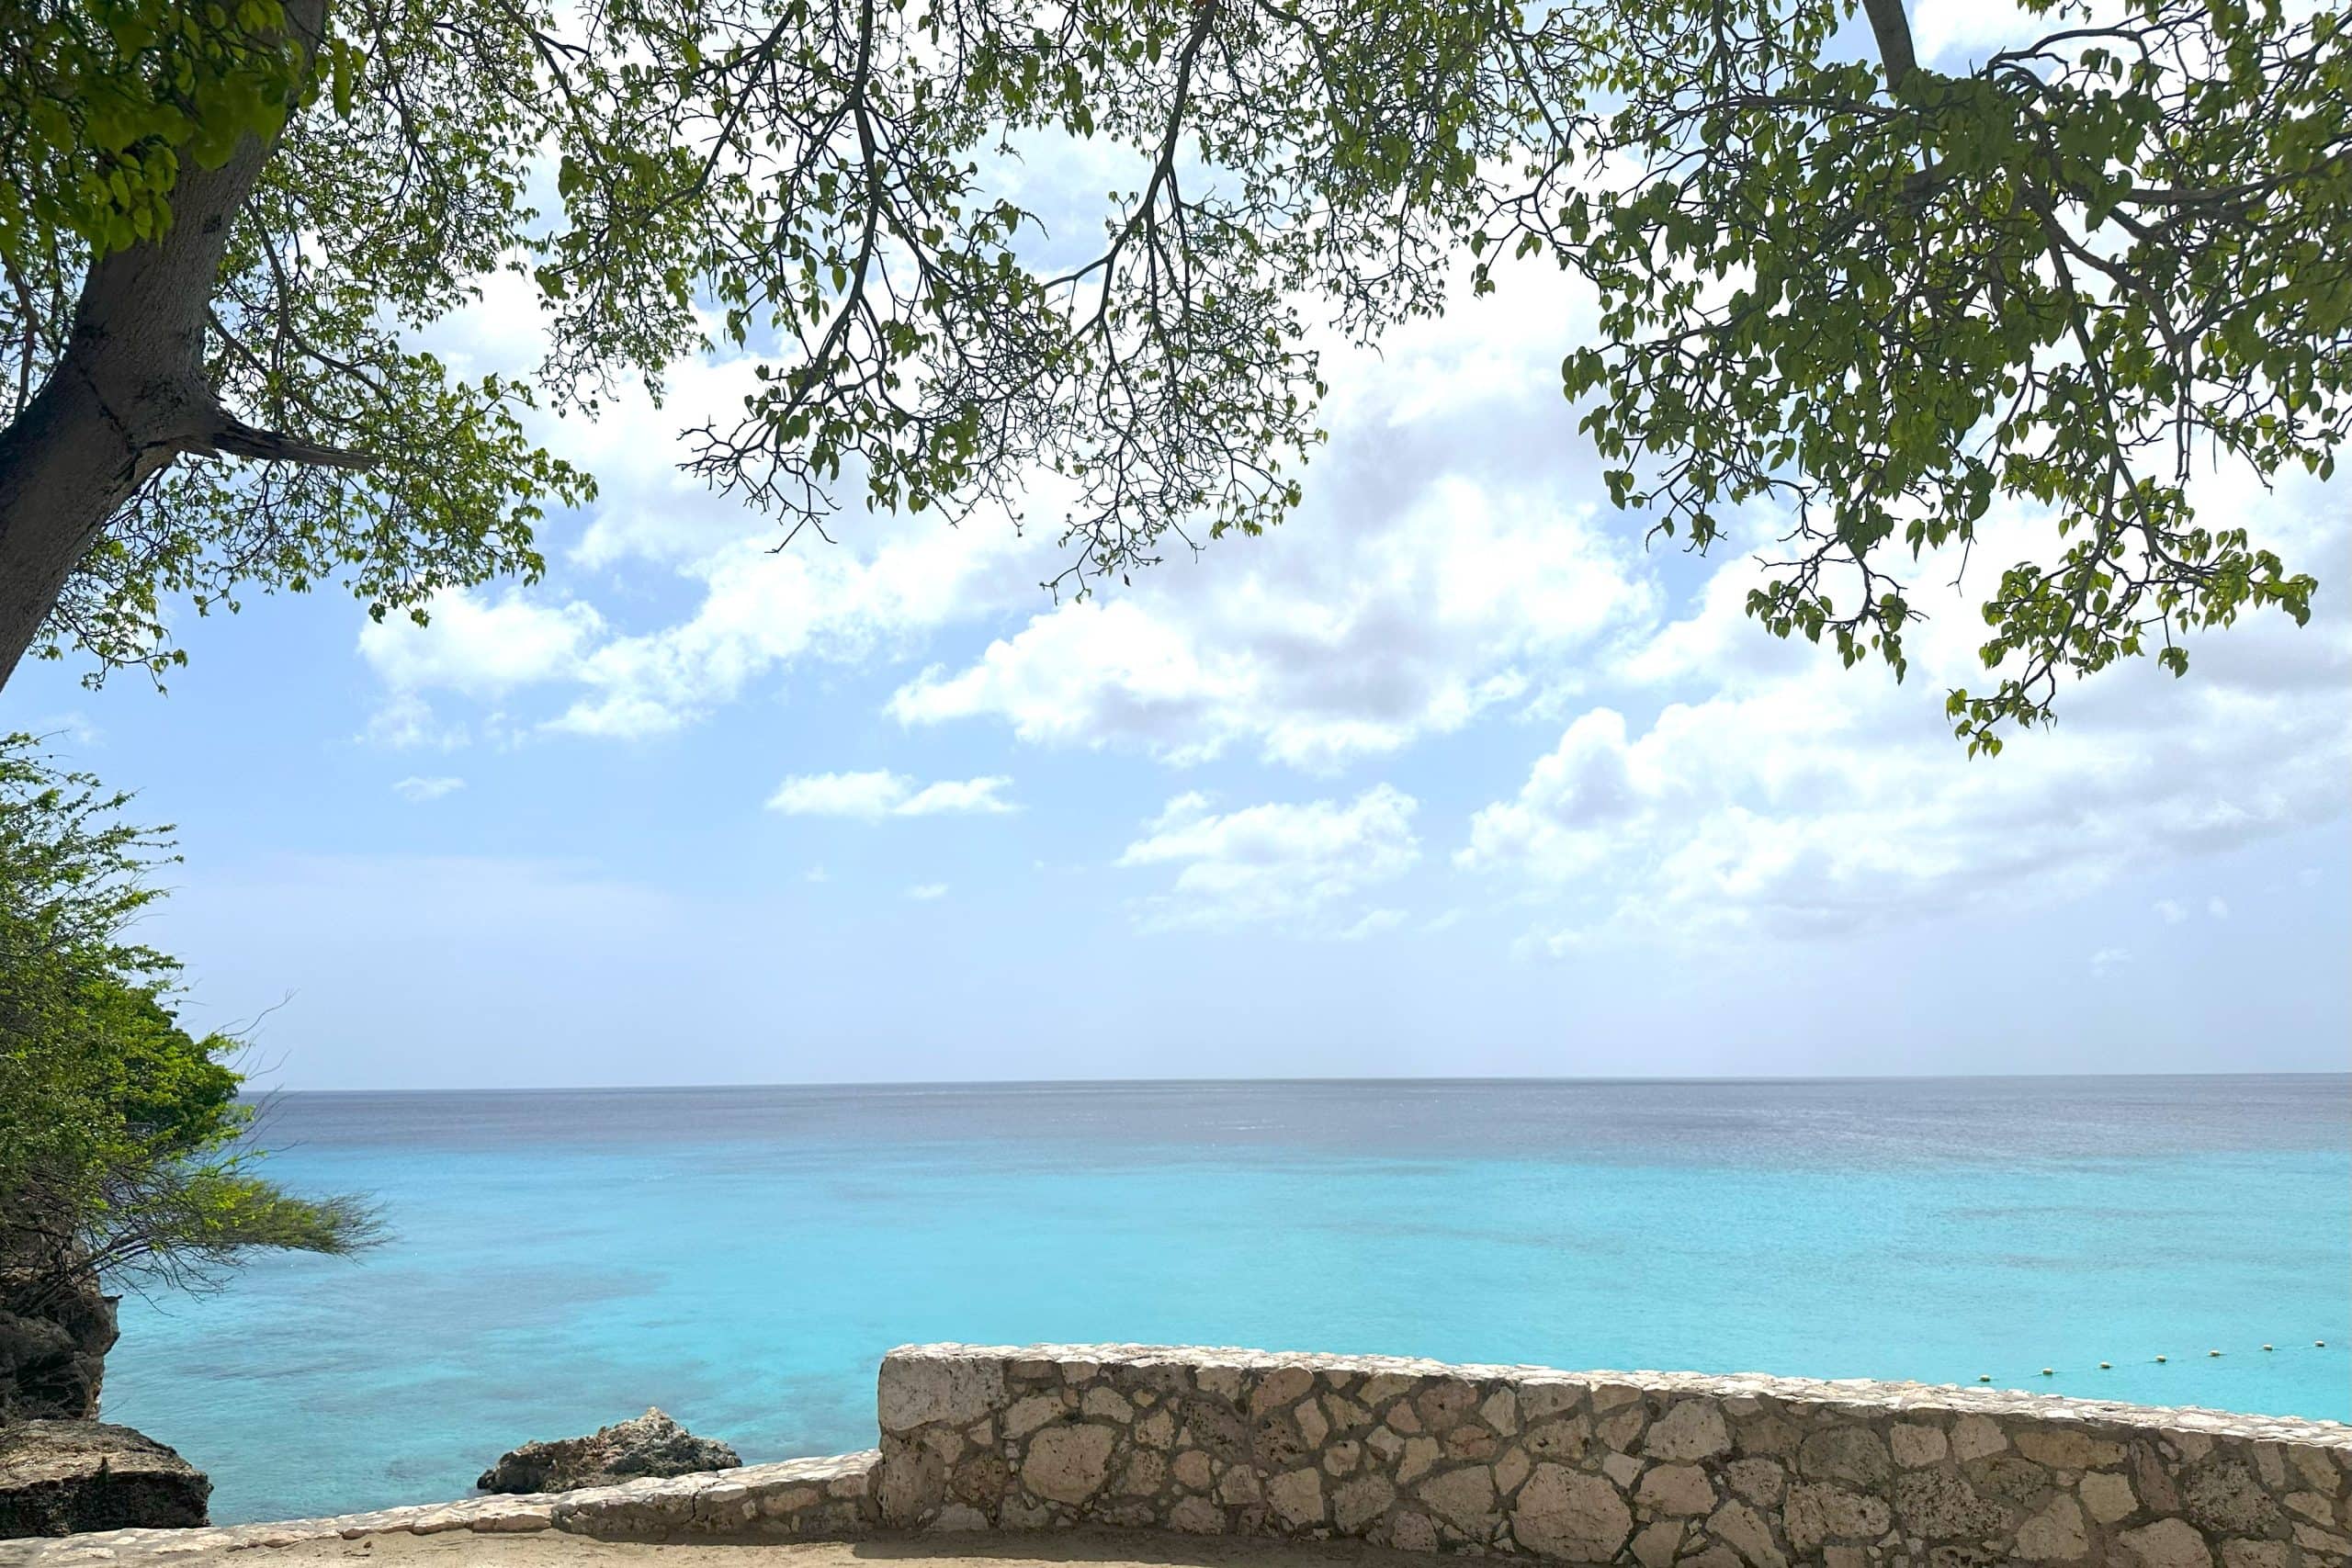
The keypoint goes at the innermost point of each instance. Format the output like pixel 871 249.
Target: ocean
pixel 743 1257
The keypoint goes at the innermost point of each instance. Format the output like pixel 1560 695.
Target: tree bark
pixel 130 393
pixel 1892 28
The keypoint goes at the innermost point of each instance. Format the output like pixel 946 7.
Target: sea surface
pixel 744 1257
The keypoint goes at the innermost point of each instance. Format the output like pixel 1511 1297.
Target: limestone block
pixel 2057 1534
pixel 1853 1454
pixel 1563 1513
pixel 1296 1498
pixel 1690 1429
pixel 1068 1463
pixel 2064 1447
pixel 1676 1489
pixel 1914 1445
pixel 914 1392
pixel 1817 1514
pixel 2168 1544
pixel 2108 1497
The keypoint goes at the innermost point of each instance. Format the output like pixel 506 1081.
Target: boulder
pixel 652 1444
pixel 64 1477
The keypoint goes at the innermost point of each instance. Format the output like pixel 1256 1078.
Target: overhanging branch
pixel 238 439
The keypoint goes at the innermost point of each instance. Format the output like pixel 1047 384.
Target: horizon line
pixel 1300 1080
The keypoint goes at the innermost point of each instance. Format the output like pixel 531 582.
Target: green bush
pixel 125 1149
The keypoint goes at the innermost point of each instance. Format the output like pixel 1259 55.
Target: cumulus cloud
pixel 879 793
pixel 2108 960
pixel 480 645
pixel 1293 866
pixel 1781 793
pixel 1317 648
pixel 2172 910
pixel 925 892
pixel 707 602
pixel 1432 577
pixel 417 789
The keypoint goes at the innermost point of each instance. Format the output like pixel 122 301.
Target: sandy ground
pixel 1079 1549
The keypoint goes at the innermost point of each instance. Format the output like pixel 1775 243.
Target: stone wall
pixel 1657 1470
pixel 1647 1468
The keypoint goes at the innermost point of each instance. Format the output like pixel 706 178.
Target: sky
pixel 1450 775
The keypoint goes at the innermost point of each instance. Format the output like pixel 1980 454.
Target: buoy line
pixel 2160 1361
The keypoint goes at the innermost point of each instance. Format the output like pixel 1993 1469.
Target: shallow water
pixel 743 1257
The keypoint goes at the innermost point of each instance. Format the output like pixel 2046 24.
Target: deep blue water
pixel 743 1257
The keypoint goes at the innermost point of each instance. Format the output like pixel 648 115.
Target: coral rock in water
pixel 652 1444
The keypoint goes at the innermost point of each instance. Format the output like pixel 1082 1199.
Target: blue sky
pixel 1449 775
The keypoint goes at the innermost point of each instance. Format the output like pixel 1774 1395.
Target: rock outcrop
pixel 652 1444
pixel 55 1331
pixel 66 1477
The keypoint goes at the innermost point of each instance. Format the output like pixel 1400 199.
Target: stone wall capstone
pixel 1648 1469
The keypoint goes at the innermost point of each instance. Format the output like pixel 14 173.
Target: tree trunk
pixel 130 393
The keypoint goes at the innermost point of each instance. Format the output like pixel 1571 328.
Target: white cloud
pixel 418 789
pixel 754 607
pixel 878 793
pixel 925 892
pixel 816 873
pixel 1954 32
pixel 1772 790
pixel 868 795
pixel 480 645
pixel 2218 907
pixel 764 611
pixel 1447 562
pixel 1322 645
pixel 1431 578
pixel 983 795
pixel 406 722
pixel 1285 864
pixel 2172 910
pixel 2108 960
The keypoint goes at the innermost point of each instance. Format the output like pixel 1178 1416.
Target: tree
pixel 1874 294
pixel 124 1146
pixel 1879 295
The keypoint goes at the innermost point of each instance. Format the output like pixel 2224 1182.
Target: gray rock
pixel 66 1477
pixel 652 1444
pixel 56 1326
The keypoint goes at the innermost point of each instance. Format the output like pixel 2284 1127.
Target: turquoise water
pixel 743 1257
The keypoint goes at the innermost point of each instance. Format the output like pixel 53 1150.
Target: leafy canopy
pixel 1871 294
pixel 1879 296
pixel 123 1145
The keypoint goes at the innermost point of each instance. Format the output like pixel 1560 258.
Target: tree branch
pixel 1892 29
pixel 238 439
